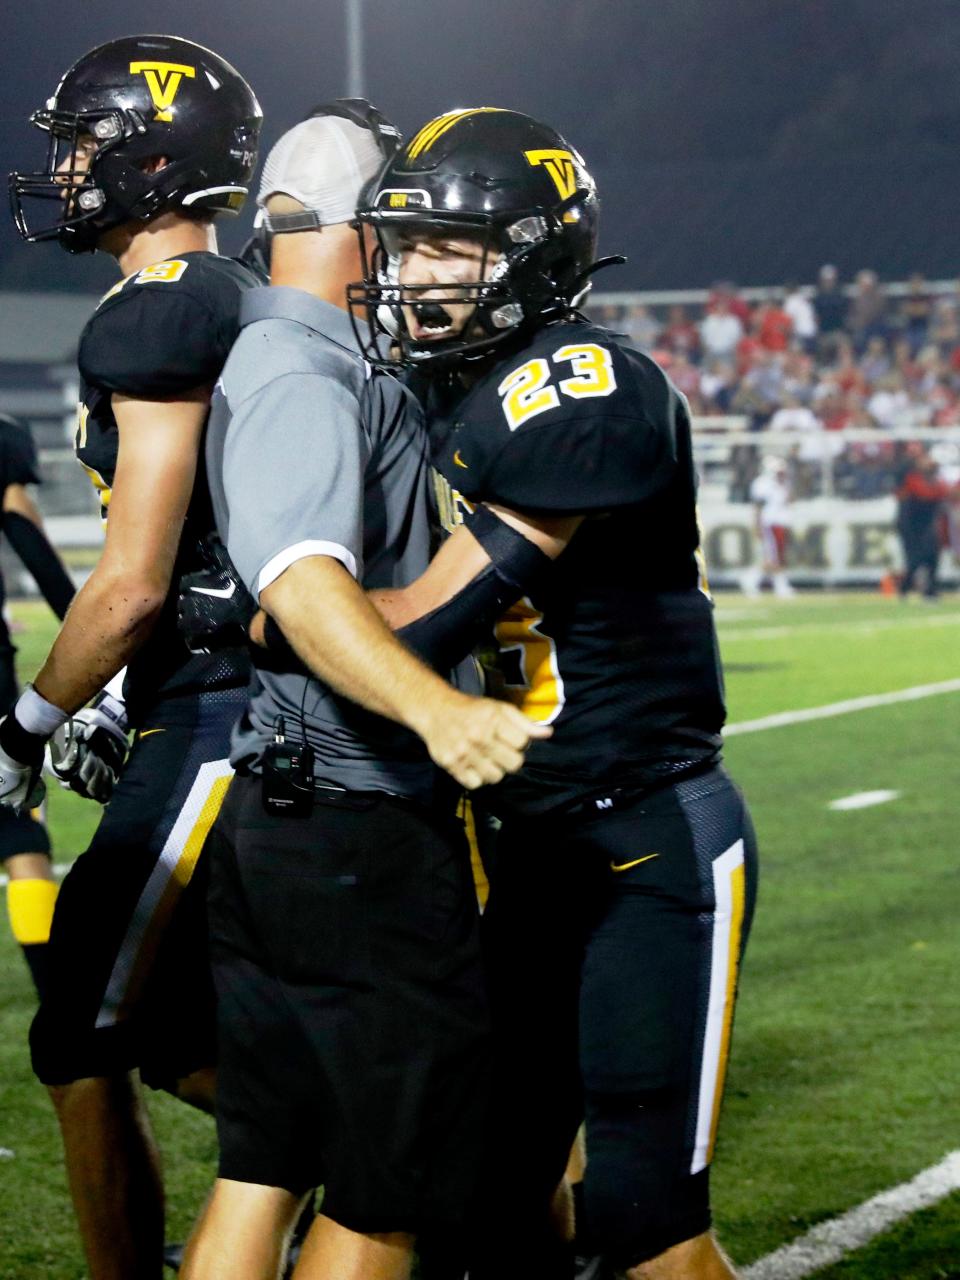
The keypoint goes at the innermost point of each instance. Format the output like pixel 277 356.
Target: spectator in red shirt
pixel 773 326
pixel 749 348
pixel 921 498
pixel 832 406
pixel 846 371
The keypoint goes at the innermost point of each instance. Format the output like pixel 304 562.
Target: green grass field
pixel 843 1075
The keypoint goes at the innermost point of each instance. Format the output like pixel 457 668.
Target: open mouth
pixel 429 321
pixel 431 332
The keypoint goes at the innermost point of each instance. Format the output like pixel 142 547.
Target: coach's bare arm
pixel 335 630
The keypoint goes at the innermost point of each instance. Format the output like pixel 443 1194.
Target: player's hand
pixel 483 742
pixel 21 759
pixel 214 608
pixel 87 753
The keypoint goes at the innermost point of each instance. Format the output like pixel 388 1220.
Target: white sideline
pixel 782 718
pixel 829 1242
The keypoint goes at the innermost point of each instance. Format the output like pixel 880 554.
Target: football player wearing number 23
pixel 625 871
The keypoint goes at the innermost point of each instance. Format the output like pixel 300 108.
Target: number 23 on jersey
pixel 529 390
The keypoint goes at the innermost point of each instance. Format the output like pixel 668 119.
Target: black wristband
pixel 20 743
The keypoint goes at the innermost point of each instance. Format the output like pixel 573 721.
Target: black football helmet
pixel 139 98
pixel 512 181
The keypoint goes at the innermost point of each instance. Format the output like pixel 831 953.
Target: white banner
pixel 831 541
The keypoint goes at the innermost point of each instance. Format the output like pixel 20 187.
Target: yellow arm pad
pixel 30 906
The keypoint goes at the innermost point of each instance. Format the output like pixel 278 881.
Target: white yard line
pixel 865 628
pixel 862 800
pixel 829 1242
pixel 782 718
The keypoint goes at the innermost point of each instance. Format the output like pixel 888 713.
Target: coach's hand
pixel 87 753
pixel 21 759
pixel 482 741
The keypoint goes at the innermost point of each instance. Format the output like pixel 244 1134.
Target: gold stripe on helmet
pixel 429 134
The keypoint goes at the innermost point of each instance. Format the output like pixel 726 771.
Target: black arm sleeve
pixel 447 634
pixel 40 559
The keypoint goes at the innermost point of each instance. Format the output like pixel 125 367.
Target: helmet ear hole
pixel 153 164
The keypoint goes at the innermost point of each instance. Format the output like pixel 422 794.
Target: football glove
pixel 87 753
pixel 214 607
pixel 21 759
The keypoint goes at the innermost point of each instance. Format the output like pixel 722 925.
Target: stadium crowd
pixel 815 361
pixel 867 359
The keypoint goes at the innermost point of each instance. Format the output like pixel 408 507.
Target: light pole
pixel 355 48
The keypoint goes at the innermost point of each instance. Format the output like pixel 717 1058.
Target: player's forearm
pixel 341 638
pixel 109 620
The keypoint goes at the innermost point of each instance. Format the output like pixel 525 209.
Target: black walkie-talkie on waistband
pixel 287 776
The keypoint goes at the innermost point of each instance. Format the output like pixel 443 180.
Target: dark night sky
pixel 752 138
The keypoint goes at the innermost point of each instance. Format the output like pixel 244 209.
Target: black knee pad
pixel 640 1197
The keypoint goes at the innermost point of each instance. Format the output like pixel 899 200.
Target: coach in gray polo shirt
pixel 352 1024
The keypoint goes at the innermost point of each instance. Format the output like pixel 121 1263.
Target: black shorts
pixel 351 1013
pixel 129 982
pixel 613 943
pixel 22 833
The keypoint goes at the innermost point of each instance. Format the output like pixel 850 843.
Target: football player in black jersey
pixel 625 872
pixel 24 843
pixel 150 137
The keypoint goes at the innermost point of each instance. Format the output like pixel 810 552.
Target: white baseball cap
pixel 324 163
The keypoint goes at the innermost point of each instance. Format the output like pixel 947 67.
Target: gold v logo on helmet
pixel 163 81
pixel 559 165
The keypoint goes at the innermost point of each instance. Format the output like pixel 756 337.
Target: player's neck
pixel 320 263
pixel 139 245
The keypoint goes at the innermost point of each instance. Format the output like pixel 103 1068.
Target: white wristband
pixel 35 714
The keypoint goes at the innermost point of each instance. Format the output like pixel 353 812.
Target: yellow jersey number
pixel 538 691
pixel 526 391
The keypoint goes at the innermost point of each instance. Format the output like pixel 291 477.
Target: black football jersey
pixel 616 648
pixel 162 331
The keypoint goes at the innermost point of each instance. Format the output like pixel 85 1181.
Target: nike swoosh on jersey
pixel 222 593
pixel 625 866
pixel 145 733
pixel 459 461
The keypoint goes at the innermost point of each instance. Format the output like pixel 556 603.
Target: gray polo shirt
pixel 311 453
